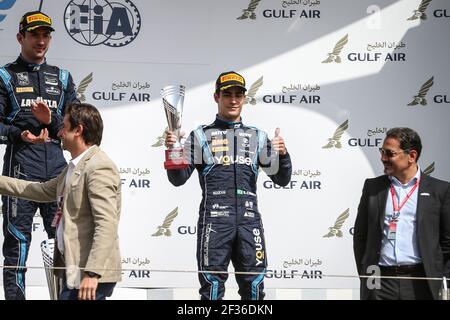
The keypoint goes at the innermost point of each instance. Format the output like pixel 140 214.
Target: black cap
pixel 230 79
pixel 35 19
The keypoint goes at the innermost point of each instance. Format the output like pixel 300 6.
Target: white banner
pixel 333 75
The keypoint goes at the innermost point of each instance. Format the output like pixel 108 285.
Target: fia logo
pixel 91 23
pixel 334 56
pixel 334 141
pixel 83 86
pixel 420 12
pixel 420 97
pixel 249 13
pixel 5 5
pixel 164 228
pixel 335 231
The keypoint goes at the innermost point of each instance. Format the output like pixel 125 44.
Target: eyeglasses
pixel 389 153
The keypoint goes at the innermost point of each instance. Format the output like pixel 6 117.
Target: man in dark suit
pixel 403 225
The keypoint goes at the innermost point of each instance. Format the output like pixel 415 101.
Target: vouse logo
pixel 91 23
pixel 5 5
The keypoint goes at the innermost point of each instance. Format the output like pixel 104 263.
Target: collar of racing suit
pixel 227 124
pixel 30 66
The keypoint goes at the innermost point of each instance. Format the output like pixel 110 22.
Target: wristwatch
pixel 91 274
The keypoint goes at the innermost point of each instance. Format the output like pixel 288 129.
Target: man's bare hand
pixel 42 112
pixel 88 288
pixel 278 143
pixel 171 139
pixel 27 136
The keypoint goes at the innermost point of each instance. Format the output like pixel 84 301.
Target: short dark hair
pixel 89 117
pixel 408 138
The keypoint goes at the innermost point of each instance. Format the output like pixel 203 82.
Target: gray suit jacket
pixel 91 211
pixel 433 228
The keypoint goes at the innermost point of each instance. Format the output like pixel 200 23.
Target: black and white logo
pixel 22 78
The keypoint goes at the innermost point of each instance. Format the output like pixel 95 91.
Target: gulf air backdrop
pixel 334 76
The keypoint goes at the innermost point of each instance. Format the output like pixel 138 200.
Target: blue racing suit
pixel 20 84
pixel 227 156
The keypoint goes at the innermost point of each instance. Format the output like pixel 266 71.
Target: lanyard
pixel 59 203
pixel 397 207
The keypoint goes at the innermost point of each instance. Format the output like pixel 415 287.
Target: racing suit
pixel 20 84
pixel 227 156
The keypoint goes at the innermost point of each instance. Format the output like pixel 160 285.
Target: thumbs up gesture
pixel 278 143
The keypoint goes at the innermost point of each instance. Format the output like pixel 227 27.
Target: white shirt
pixel 71 166
pixel 404 250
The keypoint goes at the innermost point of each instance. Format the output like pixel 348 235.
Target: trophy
pixel 47 249
pixel 173 98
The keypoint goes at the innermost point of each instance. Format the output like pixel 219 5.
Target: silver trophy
pixel 47 249
pixel 173 99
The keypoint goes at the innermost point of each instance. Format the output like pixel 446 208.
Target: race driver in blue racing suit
pixel 33 150
pixel 227 155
